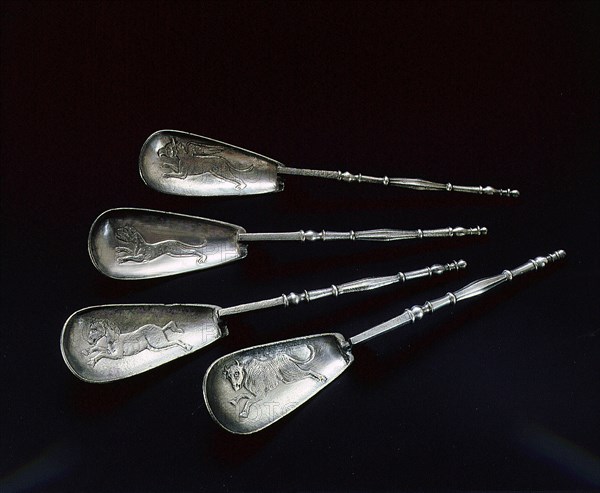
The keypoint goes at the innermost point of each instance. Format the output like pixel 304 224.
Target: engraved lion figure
pixel 259 376
pixel 194 159
pixel 136 249
pixel 107 341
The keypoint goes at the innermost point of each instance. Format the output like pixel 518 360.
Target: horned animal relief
pixel 107 341
pixel 185 158
pixel 257 377
pixel 136 249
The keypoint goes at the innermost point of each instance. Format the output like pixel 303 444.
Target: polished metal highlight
pixel 143 244
pixel 111 342
pixel 182 163
pixel 250 389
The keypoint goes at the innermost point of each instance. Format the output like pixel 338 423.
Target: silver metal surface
pixel 369 235
pixel 111 342
pixel 182 163
pixel 476 288
pixel 366 284
pixel 141 244
pixel 106 343
pixel 250 389
pixel 131 243
pixel 411 183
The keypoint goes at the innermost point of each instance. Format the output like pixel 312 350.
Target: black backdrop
pixel 496 393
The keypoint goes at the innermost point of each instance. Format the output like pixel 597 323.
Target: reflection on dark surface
pixel 570 457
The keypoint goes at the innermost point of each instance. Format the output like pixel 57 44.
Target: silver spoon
pixel 141 243
pixel 182 163
pixel 250 389
pixel 111 342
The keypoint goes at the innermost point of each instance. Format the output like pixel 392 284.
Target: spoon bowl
pixel 181 163
pixel 105 343
pixel 132 243
pixel 250 389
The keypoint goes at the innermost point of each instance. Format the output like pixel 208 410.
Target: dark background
pixel 496 393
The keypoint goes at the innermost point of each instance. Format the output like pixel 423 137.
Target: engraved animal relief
pixel 136 249
pixel 192 159
pixel 256 377
pixel 107 341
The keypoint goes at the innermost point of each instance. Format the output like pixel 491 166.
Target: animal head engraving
pixel 128 234
pixel 235 375
pixel 100 328
pixel 169 150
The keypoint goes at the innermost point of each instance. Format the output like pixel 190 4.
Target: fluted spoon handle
pixel 412 183
pixel 339 289
pixel 369 235
pixel 474 289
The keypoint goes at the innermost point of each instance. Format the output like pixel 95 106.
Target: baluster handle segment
pixel 369 235
pixel 365 284
pixel 471 290
pixel 412 183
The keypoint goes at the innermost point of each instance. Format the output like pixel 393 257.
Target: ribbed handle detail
pixel 471 290
pixel 411 183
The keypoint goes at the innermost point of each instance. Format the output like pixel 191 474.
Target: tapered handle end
pixel 503 192
pixel 553 257
pixel 477 231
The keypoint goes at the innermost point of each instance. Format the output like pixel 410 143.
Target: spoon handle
pixel 471 290
pixel 370 235
pixel 349 287
pixel 412 183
